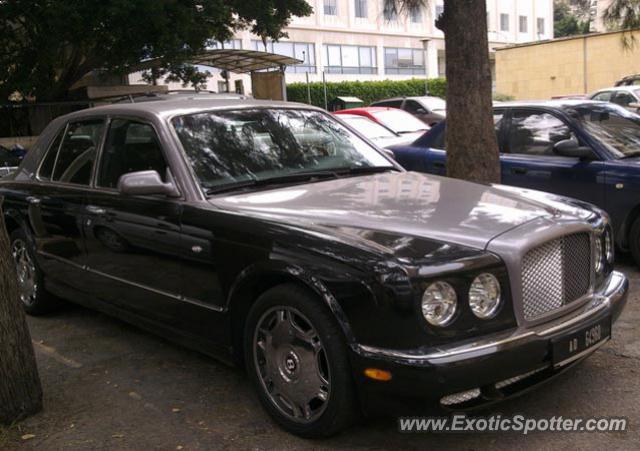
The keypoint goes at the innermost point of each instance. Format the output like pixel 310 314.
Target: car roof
pixel 555 103
pixel 632 88
pixel 173 107
pixel 366 109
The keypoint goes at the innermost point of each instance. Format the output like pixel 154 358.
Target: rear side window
pixel 439 140
pixel 603 96
pixel 131 146
pixel 72 154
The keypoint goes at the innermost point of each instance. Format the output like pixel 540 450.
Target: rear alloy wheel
pixel 35 299
pixel 297 359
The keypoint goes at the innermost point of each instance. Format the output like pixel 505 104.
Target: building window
pixel 304 51
pixel 389 12
pixel 439 11
pixel 349 59
pixel 540 25
pixel 361 9
pixel 330 7
pixel 504 22
pixel 232 44
pixel 524 25
pixel 398 61
pixel 415 14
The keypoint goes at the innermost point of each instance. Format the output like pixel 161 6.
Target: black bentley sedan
pixel 275 237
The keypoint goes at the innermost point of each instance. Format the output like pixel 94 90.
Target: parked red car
pixel 398 121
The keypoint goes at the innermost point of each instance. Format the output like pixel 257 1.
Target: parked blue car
pixel 582 149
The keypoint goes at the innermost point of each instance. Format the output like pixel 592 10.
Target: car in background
pixel 399 122
pixel 625 96
pixel 374 131
pixel 581 149
pixel 428 109
pixel 629 80
pixel 10 159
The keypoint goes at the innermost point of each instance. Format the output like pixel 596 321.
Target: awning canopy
pixel 233 60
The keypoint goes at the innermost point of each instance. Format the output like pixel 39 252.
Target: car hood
pixel 401 203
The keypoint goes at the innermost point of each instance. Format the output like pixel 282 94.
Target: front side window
pixel 615 127
pixel 623 99
pixel 229 147
pixel 536 132
pixel 414 107
pixel 403 61
pixel 130 146
pixel 71 156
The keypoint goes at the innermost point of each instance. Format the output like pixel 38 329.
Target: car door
pixel 436 156
pixel 529 160
pixel 56 203
pixel 133 243
pixel 624 99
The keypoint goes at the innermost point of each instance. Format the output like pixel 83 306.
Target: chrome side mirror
pixel 145 183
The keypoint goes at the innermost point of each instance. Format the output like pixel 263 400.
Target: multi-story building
pixel 360 40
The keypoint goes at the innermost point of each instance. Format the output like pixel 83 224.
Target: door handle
pixel 92 209
pixel 519 171
pixel 33 200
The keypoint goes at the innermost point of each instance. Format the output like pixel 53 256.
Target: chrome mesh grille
pixel 555 274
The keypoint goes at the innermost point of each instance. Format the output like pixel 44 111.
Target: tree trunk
pixel 472 147
pixel 20 390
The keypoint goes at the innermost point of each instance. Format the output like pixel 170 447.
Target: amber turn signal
pixel 378 375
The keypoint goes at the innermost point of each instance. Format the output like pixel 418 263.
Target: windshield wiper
pixel 298 177
pixel 286 178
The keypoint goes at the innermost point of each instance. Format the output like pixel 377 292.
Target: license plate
pixel 571 347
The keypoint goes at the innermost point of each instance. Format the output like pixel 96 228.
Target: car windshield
pixel 615 127
pixel 227 148
pixel 399 121
pixel 435 104
pixel 368 128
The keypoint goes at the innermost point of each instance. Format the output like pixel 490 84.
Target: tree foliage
pixel 48 45
pixel 568 23
pixel 622 15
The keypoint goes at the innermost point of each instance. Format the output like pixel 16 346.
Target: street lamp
pixel 425 46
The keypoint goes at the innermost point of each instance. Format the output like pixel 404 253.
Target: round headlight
pixel 439 303
pixel 599 264
pixel 484 296
pixel 608 245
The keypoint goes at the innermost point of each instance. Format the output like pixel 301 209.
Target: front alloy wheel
pixel 292 364
pixel 297 359
pixel 26 271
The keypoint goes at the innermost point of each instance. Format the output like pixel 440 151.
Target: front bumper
pixel 494 367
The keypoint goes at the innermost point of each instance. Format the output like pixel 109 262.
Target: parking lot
pixel 110 386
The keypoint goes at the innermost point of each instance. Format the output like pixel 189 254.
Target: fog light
pixel 599 263
pixel 608 245
pixel 439 303
pixel 484 296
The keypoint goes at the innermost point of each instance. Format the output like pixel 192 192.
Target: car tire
pixel 294 349
pixel 35 299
